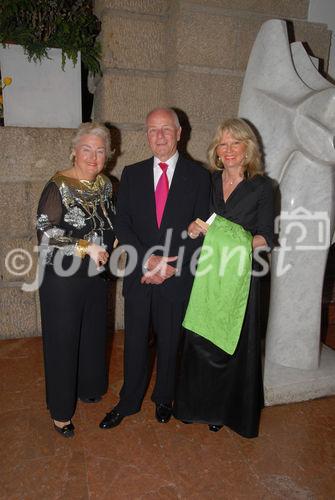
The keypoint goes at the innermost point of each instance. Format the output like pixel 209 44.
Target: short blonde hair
pixel 91 128
pixel 241 131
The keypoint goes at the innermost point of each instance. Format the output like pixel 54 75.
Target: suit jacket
pixel 136 225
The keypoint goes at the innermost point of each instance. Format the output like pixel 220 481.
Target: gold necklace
pixel 93 185
pixel 231 182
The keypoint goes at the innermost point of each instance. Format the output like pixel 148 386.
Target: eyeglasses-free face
pixel 90 156
pixel 231 151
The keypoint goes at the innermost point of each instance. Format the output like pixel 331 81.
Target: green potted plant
pixel 39 24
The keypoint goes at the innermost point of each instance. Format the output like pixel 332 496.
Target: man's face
pixel 163 134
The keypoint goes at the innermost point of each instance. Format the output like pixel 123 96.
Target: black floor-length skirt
pixel 221 389
pixel 74 330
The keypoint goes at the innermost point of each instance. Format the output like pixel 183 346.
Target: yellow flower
pixel 7 80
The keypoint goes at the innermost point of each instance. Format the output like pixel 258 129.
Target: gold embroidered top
pixel 70 210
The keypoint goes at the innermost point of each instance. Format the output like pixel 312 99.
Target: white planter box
pixel 41 94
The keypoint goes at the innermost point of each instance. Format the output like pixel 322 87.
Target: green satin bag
pixel 220 290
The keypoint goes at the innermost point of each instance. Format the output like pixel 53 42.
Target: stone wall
pixel 187 54
pixel 29 157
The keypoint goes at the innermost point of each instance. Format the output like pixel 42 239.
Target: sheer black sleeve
pixel 49 216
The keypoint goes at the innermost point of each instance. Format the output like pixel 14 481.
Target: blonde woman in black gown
pixel 217 388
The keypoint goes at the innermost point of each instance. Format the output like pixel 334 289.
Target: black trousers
pixel 74 315
pixel 166 317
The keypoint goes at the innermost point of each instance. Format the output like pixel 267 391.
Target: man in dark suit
pixel 158 198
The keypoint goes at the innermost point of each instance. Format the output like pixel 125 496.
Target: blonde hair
pixel 241 131
pixel 91 128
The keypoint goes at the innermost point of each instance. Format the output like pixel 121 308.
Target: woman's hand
pixel 98 254
pixel 194 230
pixel 259 241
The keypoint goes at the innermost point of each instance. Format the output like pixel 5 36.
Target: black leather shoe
pixel 67 431
pixel 112 419
pixel 215 428
pixel 91 400
pixel 163 413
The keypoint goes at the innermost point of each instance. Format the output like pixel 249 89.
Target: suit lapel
pixel 148 190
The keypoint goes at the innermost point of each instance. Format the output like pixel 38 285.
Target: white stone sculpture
pixel 293 108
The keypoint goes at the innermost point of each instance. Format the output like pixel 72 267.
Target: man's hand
pixel 159 265
pixel 153 279
pixel 158 270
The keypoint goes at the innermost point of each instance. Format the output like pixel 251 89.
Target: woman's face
pixel 90 156
pixel 231 151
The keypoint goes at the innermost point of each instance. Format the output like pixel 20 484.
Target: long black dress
pixel 214 387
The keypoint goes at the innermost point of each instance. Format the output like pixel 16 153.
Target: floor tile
pixel 293 457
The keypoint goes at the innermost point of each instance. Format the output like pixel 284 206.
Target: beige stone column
pixel 133 39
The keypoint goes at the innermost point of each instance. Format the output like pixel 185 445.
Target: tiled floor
pixel 293 458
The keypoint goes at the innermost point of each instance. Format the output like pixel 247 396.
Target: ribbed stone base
pixel 288 385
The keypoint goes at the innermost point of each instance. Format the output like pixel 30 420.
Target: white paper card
pixel 211 218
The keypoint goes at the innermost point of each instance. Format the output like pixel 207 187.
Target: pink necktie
pixel 161 193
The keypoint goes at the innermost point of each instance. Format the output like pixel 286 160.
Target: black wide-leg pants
pixel 74 329
pixel 166 317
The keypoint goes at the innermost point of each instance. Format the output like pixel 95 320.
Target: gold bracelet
pixel 81 248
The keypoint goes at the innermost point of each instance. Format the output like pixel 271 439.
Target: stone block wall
pixel 29 157
pixel 189 54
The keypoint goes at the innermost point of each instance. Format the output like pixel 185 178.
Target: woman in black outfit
pixel 215 387
pixel 75 232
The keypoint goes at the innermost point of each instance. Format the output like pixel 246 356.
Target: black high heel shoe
pixel 67 431
pixel 215 428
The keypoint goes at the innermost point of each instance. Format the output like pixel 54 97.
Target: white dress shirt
pixel 171 162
